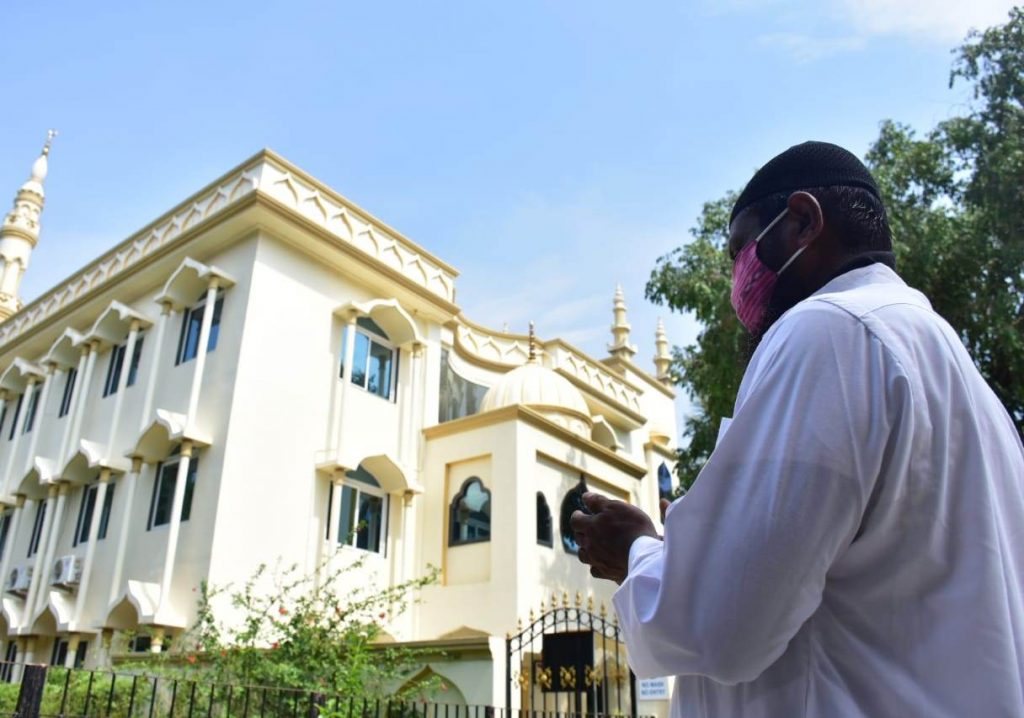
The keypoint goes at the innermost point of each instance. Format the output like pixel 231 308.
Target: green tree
pixel 955 197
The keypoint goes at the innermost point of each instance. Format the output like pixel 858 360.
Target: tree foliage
pixel 955 198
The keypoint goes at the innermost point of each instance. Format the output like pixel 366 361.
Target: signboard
pixel 652 689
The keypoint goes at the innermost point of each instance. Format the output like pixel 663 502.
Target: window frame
pixel 84 522
pixel 546 521
pixel 453 538
pixel 191 479
pixel 6 517
pixel 116 366
pixel 199 307
pixel 70 379
pixel 372 337
pixel 33 409
pixel 360 487
pixel 37 528
pixel 14 421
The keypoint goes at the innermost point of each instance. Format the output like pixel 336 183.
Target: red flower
pixel 283 611
pixel 191 659
pixel 275 645
pixel 382 615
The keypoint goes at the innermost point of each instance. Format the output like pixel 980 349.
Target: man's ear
pixel 810 220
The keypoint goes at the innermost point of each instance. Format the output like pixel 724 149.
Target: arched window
pixel 470 514
pixel 664 482
pixel 573 500
pixel 544 537
pixel 362 515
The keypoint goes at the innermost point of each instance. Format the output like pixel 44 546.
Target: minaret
pixel 662 359
pixel 620 347
pixel 20 232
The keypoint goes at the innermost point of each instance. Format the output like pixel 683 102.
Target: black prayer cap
pixel 811 164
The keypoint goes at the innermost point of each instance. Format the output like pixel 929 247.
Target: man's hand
pixel 605 535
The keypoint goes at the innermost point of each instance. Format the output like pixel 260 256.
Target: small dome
pixel 541 388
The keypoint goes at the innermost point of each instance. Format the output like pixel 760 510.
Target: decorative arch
pixel 603 434
pixel 65 351
pixel 168 430
pixel 445 691
pixel 113 325
pixel 390 316
pixel 469 515
pixel 36 481
pixel 123 615
pixel 545 532
pixel 189 281
pixel 86 463
pixel 15 378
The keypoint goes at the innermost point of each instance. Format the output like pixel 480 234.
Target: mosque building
pixel 266 371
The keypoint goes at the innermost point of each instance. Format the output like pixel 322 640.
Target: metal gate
pixel 569 660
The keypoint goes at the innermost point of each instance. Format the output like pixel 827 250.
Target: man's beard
pixel 785 296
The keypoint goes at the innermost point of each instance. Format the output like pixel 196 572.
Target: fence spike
pixel 565 599
pixel 579 599
pixel 604 610
pixel 533 616
pixel 590 603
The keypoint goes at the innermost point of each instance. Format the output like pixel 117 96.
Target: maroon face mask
pixel 753 281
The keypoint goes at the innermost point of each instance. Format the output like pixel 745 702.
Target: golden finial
pixel 508 635
pixel 519 624
pixel 590 603
pixel 604 610
pixel 533 342
pixel 565 599
pixel 554 600
pixel 533 616
pixel 50 134
pixel 542 605
pixel 579 599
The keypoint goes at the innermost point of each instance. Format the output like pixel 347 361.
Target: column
pixel 407 447
pixel 83 399
pixel 332 519
pixel 204 339
pixel 18 430
pixel 51 542
pixel 158 353
pixel 73 640
pixel 69 418
pixel 130 481
pixel 90 553
pixel 122 386
pixel 350 351
pixel 12 535
pixel 37 570
pixel 157 644
pixel 175 526
pixel 40 412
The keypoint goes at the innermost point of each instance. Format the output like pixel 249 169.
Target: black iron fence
pixel 58 692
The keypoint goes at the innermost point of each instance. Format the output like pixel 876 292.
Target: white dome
pixel 538 387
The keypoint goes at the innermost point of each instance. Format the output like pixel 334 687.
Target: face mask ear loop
pixel 793 258
pixel 771 224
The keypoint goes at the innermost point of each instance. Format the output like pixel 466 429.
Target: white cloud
pixel 940 20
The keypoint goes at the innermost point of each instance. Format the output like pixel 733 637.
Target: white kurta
pixel 855 544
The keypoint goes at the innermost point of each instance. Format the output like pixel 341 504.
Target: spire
pixel 20 231
pixel 662 359
pixel 620 348
pixel 533 344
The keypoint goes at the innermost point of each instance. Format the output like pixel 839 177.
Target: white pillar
pixel 129 481
pixel 335 513
pixel 73 640
pixel 204 339
pixel 175 526
pixel 122 386
pixel 348 359
pixel 158 352
pixel 40 412
pixel 83 399
pixel 18 430
pixel 51 542
pixel 76 394
pixel 90 552
pixel 37 570
pixel 12 534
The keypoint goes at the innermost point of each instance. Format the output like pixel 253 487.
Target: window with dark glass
pixel 85 513
pixel 573 500
pixel 469 517
pixel 162 502
pixel 33 406
pixel 5 528
pixel 117 364
pixel 664 482
pixel 362 515
pixel 192 326
pixel 459 396
pixel 544 531
pixel 10 657
pixel 14 421
pixel 374 360
pixel 37 528
pixel 69 392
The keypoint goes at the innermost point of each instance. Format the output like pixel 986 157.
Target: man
pixel 855 544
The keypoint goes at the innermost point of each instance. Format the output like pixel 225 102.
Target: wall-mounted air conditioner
pixel 19 580
pixel 67 572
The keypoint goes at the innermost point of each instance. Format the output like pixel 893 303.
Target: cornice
pixel 649 379
pixel 264 174
pixel 519 412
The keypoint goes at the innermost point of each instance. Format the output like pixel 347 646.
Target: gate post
pixel 30 697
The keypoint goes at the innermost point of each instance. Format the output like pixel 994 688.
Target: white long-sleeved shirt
pixel 855 544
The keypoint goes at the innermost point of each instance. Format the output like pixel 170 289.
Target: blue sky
pixel 549 150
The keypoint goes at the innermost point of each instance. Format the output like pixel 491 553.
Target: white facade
pixel 254 439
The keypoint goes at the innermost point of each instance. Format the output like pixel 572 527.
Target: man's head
pixel 829 211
